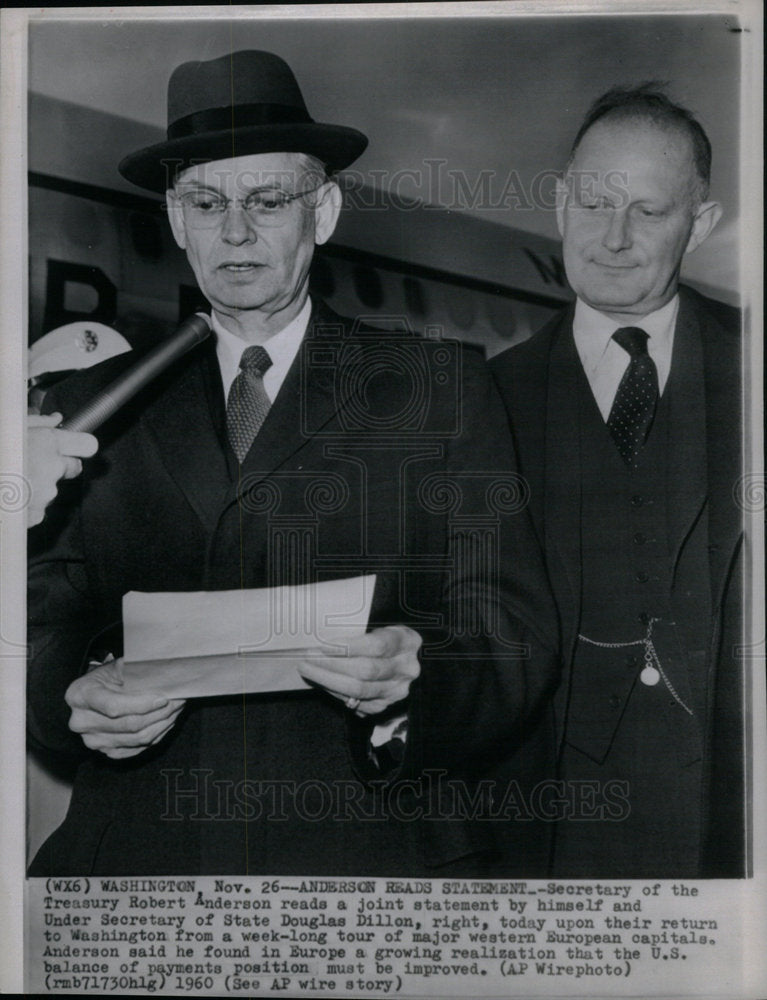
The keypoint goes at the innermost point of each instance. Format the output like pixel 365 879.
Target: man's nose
pixel 237 227
pixel 617 236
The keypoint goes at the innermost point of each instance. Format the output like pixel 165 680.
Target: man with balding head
pixel 626 411
pixel 295 446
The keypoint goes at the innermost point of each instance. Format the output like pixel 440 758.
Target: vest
pixel 633 751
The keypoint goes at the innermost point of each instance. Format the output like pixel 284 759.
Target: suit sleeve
pixel 490 666
pixel 484 684
pixel 62 617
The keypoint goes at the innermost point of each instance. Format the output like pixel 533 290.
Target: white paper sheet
pixel 192 645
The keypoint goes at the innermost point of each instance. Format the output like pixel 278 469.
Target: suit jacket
pixel 381 454
pixel 537 380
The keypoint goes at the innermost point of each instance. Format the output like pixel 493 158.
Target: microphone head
pixel 193 331
pixel 199 325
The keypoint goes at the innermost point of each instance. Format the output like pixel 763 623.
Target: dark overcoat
pixel 382 454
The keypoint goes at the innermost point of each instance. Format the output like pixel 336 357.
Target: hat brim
pixel 155 167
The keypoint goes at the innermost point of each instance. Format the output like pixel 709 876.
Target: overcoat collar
pixel 186 420
pixel 182 422
pixel 308 400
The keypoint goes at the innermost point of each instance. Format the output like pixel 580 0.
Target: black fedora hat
pixel 246 102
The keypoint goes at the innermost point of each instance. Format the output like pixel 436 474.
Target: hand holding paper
pixel 203 644
pixel 376 671
pixel 118 723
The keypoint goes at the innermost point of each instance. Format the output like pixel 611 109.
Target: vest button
pixel 644 617
pixel 641 576
pixel 614 701
pixel 637 500
pixel 639 538
pixel 632 661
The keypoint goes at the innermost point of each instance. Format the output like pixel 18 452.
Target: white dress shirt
pixel 605 361
pixel 281 347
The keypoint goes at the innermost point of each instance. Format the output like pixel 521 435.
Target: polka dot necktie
pixel 248 403
pixel 635 401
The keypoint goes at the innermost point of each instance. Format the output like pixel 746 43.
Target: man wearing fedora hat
pixel 294 446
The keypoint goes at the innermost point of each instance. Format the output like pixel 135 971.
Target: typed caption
pixel 378 937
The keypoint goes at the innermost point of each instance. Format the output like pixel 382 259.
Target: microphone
pixel 191 332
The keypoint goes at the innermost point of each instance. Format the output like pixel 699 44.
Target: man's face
pixel 627 215
pixel 242 263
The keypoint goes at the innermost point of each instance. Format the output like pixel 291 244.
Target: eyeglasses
pixel 206 209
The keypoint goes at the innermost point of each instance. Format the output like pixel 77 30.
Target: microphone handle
pixel 191 332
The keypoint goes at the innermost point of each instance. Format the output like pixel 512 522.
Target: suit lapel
pixel 706 438
pixel 309 399
pixel 723 388
pixel 687 479
pixel 181 422
pixel 186 419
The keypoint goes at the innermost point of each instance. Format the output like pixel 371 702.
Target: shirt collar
pixel 278 346
pixel 593 330
pixel 281 347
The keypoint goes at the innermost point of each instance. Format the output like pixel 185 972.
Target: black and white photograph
pixel 382 463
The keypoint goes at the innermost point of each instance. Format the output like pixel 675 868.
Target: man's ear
pixel 707 216
pixel 176 218
pixel 561 198
pixel 326 212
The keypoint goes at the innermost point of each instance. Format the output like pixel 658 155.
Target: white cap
pixel 76 345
